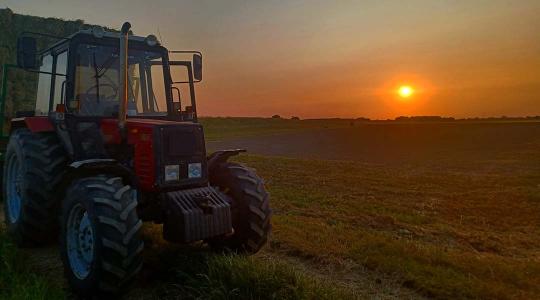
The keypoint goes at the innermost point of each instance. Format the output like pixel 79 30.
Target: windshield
pixel 97 89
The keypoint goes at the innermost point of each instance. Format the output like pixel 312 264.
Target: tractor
pixel 110 144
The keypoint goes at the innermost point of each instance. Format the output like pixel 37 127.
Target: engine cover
pixel 181 145
pixel 196 214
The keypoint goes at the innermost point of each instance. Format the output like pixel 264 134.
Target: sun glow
pixel 405 91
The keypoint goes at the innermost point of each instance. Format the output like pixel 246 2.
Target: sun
pixel 405 91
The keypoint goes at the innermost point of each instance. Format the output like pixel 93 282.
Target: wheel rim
pixel 80 241
pixel 13 189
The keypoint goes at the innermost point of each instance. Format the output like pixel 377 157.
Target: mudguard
pixel 94 167
pixel 221 156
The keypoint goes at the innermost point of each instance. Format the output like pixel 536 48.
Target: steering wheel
pixel 101 85
pixel 111 85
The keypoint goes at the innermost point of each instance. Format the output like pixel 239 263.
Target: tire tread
pixel 44 163
pixel 251 202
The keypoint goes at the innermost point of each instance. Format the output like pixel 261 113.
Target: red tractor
pixel 110 145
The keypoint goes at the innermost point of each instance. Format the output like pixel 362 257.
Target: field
pixel 362 210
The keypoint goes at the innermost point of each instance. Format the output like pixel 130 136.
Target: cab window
pixel 44 86
pixel 60 79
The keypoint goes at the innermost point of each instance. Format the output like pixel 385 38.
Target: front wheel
pixel 100 244
pixel 250 208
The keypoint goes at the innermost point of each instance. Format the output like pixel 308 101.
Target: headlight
pixel 172 173
pixel 194 170
pixel 98 31
pixel 151 40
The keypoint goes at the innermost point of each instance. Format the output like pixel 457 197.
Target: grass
pixel 17 281
pixel 233 277
pixel 459 222
pixel 217 128
pixel 171 271
pixel 220 128
pixel 465 230
pixel 196 273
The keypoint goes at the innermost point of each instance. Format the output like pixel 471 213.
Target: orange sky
pixel 314 58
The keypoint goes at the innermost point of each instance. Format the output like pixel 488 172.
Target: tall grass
pixel 196 273
pixel 174 272
pixel 17 281
pixel 234 277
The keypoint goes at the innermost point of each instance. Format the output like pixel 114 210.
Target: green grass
pixel 196 273
pixel 170 271
pixel 221 128
pixel 17 280
pixel 235 277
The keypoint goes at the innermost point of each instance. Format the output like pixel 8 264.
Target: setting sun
pixel 405 91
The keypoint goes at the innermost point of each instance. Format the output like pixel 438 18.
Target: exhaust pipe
pixel 123 80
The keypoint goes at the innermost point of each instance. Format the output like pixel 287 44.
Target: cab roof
pixel 93 33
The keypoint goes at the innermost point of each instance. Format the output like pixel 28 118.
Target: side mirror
pixel 197 67
pixel 26 52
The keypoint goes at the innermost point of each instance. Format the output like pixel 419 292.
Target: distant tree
pixel 402 118
pixel 295 118
pixel 276 117
pixel 424 119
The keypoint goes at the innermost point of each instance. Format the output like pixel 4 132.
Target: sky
pixel 343 58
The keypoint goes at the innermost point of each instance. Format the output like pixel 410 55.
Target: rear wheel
pixel 33 168
pixel 250 208
pixel 100 244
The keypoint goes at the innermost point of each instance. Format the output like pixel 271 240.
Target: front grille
pixel 182 141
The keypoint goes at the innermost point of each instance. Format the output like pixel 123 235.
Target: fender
pixel 35 124
pixel 221 156
pixel 94 167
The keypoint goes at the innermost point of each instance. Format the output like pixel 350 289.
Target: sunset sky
pixel 313 58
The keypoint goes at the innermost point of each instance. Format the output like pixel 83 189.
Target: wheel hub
pixel 80 241
pixel 13 189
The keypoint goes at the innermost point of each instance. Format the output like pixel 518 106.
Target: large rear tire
pixel 33 168
pixel 100 244
pixel 250 208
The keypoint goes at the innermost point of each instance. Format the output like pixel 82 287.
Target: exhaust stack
pixel 123 80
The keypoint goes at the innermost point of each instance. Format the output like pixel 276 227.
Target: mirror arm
pixel 186 51
pixel 194 81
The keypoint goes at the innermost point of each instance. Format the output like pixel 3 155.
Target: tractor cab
pixel 81 75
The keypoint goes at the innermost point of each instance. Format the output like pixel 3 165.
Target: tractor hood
pixel 167 154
